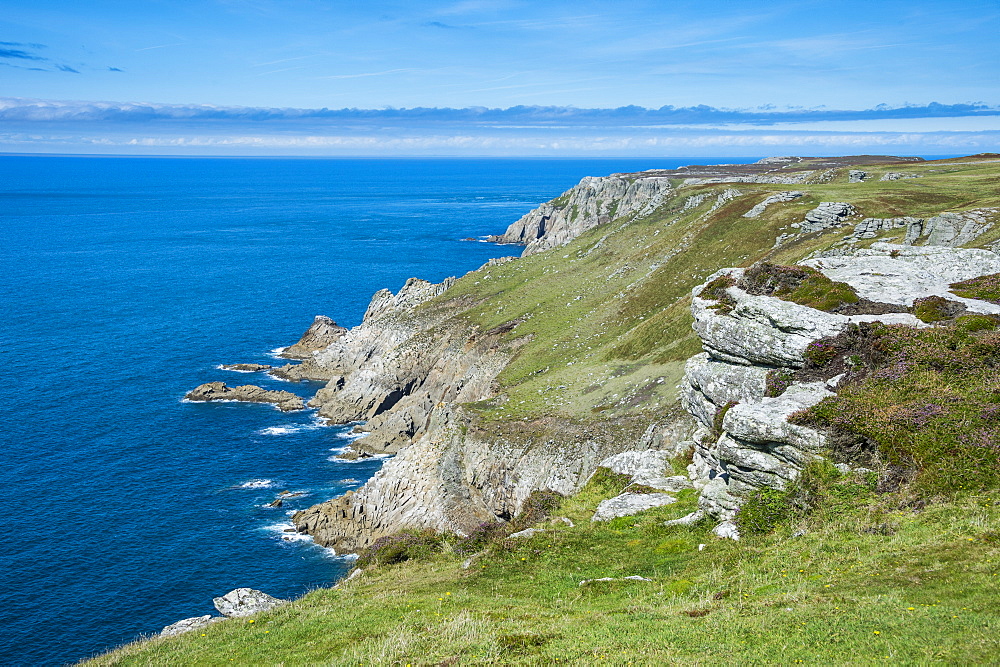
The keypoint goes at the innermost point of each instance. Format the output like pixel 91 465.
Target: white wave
pixel 231 370
pixel 336 459
pixel 282 530
pixel 257 484
pixel 285 429
pixel 277 351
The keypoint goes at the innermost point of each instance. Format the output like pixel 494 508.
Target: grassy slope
pixel 842 592
pixel 610 331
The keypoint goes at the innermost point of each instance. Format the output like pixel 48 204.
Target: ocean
pixel 126 282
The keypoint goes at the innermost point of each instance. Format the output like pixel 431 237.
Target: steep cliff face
pixel 594 201
pixel 524 375
pixel 745 441
pixel 460 474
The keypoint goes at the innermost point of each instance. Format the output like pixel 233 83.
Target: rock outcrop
pixel 218 391
pixel 745 441
pixel 457 476
pixel 243 602
pixel 245 368
pixel 188 625
pixel 594 201
pixel 320 334
pixel 777 198
pixel 827 214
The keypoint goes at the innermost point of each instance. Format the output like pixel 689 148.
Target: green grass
pixel 843 574
pixel 865 580
pixel 929 399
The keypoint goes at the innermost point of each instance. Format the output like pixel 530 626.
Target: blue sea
pixel 125 282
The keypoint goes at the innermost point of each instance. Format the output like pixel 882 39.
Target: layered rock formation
pixel 285 401
pixel 594 201
pixel 745 441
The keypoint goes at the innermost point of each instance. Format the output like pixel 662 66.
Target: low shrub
pixel 777 382
pixel 720 416
pixel 400 547
pixel 932 309
pixel 762 511
pixel 929 401
pixel 715 290
pixel 798 284
pixel 984 288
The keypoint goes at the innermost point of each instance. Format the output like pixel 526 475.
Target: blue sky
pixel 246 76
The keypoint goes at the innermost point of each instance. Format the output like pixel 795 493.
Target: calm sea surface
pixel 125 282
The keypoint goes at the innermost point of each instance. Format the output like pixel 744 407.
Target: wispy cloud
pixel 364 74
pixel 161 46
pixel 18 54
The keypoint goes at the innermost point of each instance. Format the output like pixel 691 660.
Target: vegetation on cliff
pixel 838 567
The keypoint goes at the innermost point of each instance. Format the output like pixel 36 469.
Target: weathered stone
pixel 899 274
pixel 857 176
pixel 897 175
pixel 628 504
pixel 633 577
pixel 218 391
pixel 187 625
pixel 242 602
pixel 592 202
pixel 245 368
pixel 827 214
pixel 777 198
pixel 727 530
pixel 320 334
pixel 526 533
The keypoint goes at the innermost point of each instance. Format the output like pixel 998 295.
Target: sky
pixel 500 77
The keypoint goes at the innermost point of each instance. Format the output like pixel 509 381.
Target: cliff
pixel 525 374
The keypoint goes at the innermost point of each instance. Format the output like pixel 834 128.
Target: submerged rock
pixel 248 393
pixel 242 602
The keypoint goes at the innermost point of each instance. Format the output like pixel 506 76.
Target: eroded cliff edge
pixel 525 374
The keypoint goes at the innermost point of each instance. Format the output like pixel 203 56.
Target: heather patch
pixel 929 399
pixel 715 290
pixel 798 284
pixel 984 288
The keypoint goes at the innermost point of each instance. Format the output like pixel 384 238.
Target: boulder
pixel 218 391
pixel 628 504
pixel 647 468
pixel 827 214
pixel 857 176
pixel 242 602
pixel 187 625
pixel 776 198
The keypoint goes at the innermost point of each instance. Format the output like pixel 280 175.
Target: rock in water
pixel 320 334
pixel 245 368
pixel 242 602
pixel 187 625
pixel 248 393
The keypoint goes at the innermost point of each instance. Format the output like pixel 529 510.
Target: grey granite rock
pixel 628 504
pixel 245 368
pixel 897 175
pixel 248 393
pixel 188 625
pixel 594 201
pixel 242 602
pixel 827 214
pixel 320 334
pixel 777 198
pixel 857 176
pixel 899 274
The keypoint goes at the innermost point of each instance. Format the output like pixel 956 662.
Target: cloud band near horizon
pixel 46 126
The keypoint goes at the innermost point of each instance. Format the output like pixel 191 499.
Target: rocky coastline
pixel 412 368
